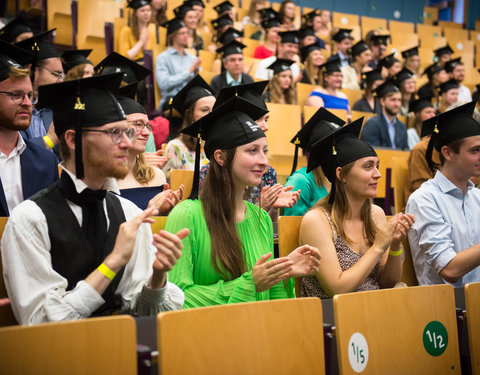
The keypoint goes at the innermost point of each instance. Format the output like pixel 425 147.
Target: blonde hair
pixel 276 92
pixel 142 172
pixel 310 67
pixel 18 73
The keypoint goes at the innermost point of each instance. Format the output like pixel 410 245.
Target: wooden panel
pixel 433 43
pixel 455 34
pixel 159 223
pixel 403 40
pixel 357 114
pixel 401 27
pixel 268 337
pixel 370 23
pixel 397 318
pixel 472 304
pixel 59 15
pixel 352 95
pixel 428 31
pixel 408 270
pixel 345 20
pixel 91 346
pixel 449 24
pixel 178 177
pixel 288 236
pixel 251 64
pixel 303 92
pixel 385 157
pixel 251 45
pixel 399 179
pixel 6 313
pixel 118 24
pixel 430 15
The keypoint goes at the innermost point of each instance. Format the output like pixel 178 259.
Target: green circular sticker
pixel 435 338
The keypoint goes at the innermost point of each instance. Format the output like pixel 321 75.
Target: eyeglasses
pixel 115 133
pixel 19 97
pixel 58 75
pixel 139 125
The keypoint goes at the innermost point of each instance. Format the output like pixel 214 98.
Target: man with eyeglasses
pixel 75 249
pixel 46 69
pixel 25 168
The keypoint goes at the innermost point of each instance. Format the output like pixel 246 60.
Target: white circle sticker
pixel 460 46
pixel 358 352
pixel 397 14
pixel 344 20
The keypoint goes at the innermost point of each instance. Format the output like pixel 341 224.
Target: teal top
pixel 150 146
pixel 310 193
pixel 194 272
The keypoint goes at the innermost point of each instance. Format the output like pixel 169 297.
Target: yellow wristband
pixel 107 272
pixel 48 141
pixel 396 253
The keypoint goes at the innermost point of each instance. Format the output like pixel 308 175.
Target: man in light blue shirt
pixel 445 238
pixel 175 67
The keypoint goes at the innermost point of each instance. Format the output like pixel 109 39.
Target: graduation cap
pixel 229 35
pixel 231 48
pixel 173 25
pixel 115 63
pixel 385 88
pixel 11 57
pixel 443 51
pixel 223 7
pixel 306 31
pixel 181 10
pixel 248 91
pixel 401 76
pixel 321 124
pixel 126 98
pixel 428 126
pixel 378 40
pixel 410 52
pixel 268 13
pixel 342 34
pixel 230 125
pixel 419 104
pixel 450 65
pixel 311 15
pixel 40 46
pixel 196 3
pixel 280 65
pixel 358 48
pixel 307 50
pixel 74 58
pixel 13 29
pixel 444 87
pixel 433 69
pixel 388 61
pixel 221 21
pixel 373 75
pixel 196 89
pixel 289 37
pixel 270 23
pixel 331 66
pixel 135 4
pixel 83 103
pixel 451 126
pixel 338 149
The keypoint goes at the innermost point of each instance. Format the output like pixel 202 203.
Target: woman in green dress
pixel 227 257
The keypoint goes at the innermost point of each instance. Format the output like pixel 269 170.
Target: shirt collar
pixel 231 81
pixel 110 183
pixel 388 121
pixel 18 149
pixel 446 185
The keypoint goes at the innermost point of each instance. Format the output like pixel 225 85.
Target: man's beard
pixel 390 112
pixel 93 160
pixel 7 122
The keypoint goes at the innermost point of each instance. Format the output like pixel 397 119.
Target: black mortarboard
pixel 11 57
pixel 451 126
pixel 444 87
pixel 321 124
pixel 173 25
pixel 401 76
pixel 410 52
pixel 115 63
pixel 126 98
pixel 230 125
pixel 221 21
pixel 196 89
pixel 388 61
pixel 432 69
pixel 248 91
pixel 268 13
pixel 306 31
pixel 443 51
pixel 342 34
pixel 373 75
pixel 358 48
pixel 450 65
pixel 40 46
pixel 476 94
pixel 385 88
pixel 13 29
pixel 307 50
pixel 75 57
pixel 428 126
pixel 223 7
pixel 280 65
pixel 135 4
pixel 290 36
pixel 229 35
pixel 271 22
pixel 195 3
pixel 337 150
pixel 331 66
pixel 419 104
pixel 82 103
pixel 231 48
pixel 181 10
pixel 311 15
pixel 380 39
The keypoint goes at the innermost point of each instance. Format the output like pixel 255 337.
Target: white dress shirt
pixel 11 174
pixel 37 293
pixel 264 73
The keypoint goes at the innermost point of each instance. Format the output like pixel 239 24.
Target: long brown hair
pixel 188 140
pixel 276 92
pixel 134 25
pixel 75 73
pixel 252 12
pixel 218 200
pixel 340 209
pixel 310 67
pixel 142 171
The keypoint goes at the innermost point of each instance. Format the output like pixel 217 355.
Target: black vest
pixel 71 254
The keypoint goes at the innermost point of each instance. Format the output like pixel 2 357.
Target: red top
pixel 262 52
